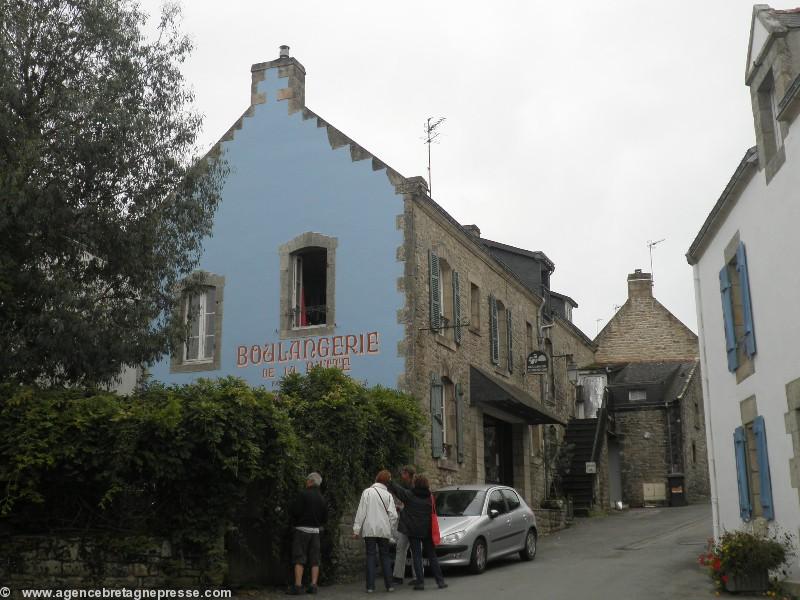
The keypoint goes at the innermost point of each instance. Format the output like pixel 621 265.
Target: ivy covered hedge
pixel 193 462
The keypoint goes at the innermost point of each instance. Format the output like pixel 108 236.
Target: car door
pixel 520 521
pixel 499 527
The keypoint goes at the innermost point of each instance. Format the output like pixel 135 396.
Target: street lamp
pixel 572 372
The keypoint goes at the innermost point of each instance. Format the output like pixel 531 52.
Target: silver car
pixel 479 523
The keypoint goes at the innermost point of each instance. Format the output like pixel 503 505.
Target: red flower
pixel 716 565
pixel 724 579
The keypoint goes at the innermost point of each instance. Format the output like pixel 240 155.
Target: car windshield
pixel 459 503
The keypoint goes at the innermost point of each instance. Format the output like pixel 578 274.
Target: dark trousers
pixel 377 546
pixel 417 545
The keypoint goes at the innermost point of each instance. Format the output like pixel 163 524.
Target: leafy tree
pixel 103 207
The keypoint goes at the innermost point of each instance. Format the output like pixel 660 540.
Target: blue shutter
pixel 494 344
pixel 435 288
pixel 745 510
pixel 760 432
pixel 457 307
pixel 510 335
pixel 747 306
pixel 727 315
pixel 437 416
pixel 460 422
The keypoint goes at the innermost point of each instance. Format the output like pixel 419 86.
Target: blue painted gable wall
pixel 286 180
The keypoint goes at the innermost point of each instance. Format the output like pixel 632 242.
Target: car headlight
pixel 453 538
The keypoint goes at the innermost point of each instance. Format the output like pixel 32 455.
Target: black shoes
pixel 311 589
pixel 294 591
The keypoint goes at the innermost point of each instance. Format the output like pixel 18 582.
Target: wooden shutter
pixel 727 316
pixel 510 336
pixel 740 447
pixel 747 307
pixel 765 480
pixel 437 416
pixel 494 344
pixel 460 418
pixel 456 308
pixel 435 289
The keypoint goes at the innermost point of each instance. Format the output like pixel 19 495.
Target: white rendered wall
pixel 767 218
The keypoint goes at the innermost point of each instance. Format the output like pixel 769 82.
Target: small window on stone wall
pixel 309 304
pixel 637 395
pixel 201 311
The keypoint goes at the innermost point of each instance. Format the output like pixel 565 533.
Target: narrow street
pixel 641 553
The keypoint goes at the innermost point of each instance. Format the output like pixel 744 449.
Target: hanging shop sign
pixel 536 363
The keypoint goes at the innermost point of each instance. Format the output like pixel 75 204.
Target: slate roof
pixel 675 375
pixel 535 254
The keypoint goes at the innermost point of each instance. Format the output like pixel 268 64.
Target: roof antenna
pixel 650 245
pixel 430 137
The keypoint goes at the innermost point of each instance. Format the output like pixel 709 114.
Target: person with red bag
pixel 419 518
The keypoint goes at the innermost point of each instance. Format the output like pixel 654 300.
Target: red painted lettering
pixel 350 344
pixel 373 342
pixel 255 355
pixel 323 347
pixel 337 345
pixel 241 356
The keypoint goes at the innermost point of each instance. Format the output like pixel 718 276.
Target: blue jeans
pixel 377 546
pixel 430 553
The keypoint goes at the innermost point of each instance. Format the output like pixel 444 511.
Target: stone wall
pixel 695 452
pixel 644 330
pixel 28 561
pixel 550 520
pixel 427 352
pixel 643 452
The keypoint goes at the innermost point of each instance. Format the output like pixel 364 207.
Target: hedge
pixel 193 462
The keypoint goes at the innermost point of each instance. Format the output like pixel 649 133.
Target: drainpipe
pixel 712 464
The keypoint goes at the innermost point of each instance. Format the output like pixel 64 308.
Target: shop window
pixel 308 275
pixel 201 312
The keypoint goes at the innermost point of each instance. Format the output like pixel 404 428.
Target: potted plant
pixel 741 561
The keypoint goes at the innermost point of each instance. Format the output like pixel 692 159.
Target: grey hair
pixel 315 478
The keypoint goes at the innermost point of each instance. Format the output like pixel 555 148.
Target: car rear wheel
pixel 528 552
pixel 477 562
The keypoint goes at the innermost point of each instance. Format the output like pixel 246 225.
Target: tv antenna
pixel 650 245
pixel 430 137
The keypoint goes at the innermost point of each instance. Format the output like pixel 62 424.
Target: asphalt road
pixel 638 554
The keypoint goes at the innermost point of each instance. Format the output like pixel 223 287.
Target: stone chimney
pixel 640 285
pixel 288 68
pixel 473 229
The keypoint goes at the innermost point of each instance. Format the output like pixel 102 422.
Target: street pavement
pixel 638 554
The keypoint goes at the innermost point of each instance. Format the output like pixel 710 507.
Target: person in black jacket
pixel 416 515
pixel 309 513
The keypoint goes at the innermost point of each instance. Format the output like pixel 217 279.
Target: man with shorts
pixel 309 513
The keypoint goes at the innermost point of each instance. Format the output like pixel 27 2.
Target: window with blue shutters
pixel 435 291
pixel 737 313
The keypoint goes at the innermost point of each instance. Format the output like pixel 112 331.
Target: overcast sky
pixel 581 129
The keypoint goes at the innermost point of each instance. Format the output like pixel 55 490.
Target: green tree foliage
pixel 103 206
pixel 195 461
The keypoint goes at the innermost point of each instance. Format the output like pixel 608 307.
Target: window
pixel 494 340
pixel 696 414
pixel 512 499
pixel 752 470
pixel 308 277
pixel 737 311
pixel 502 334
pixel 445 298
pixel 474 307
pixel 496 502
pixel 694 454
pixel 309 302
pixel 528 338
pixel 449 421
pixel 637 395
pixel 201 311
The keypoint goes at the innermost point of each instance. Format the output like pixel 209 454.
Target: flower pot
pixel 755 581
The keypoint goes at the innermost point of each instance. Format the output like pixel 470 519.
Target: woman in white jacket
pixel 375 521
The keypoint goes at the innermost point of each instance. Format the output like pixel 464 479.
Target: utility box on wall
pixel 654 494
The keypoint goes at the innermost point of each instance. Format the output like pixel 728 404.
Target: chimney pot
pixel 284 53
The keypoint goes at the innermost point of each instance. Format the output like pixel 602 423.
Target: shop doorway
pixel 498 458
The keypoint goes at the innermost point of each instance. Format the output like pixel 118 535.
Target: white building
pixel 747 287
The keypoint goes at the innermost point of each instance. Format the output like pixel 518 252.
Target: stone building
pixel 744 261
pixel 646 405
pixel 322 254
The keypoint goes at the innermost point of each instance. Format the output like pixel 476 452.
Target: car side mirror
pixel 493 513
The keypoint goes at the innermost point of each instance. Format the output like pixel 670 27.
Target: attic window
pixel 637 395
pixel 310 287
pixel 768 124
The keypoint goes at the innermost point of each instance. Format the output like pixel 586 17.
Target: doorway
pixel 498 458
